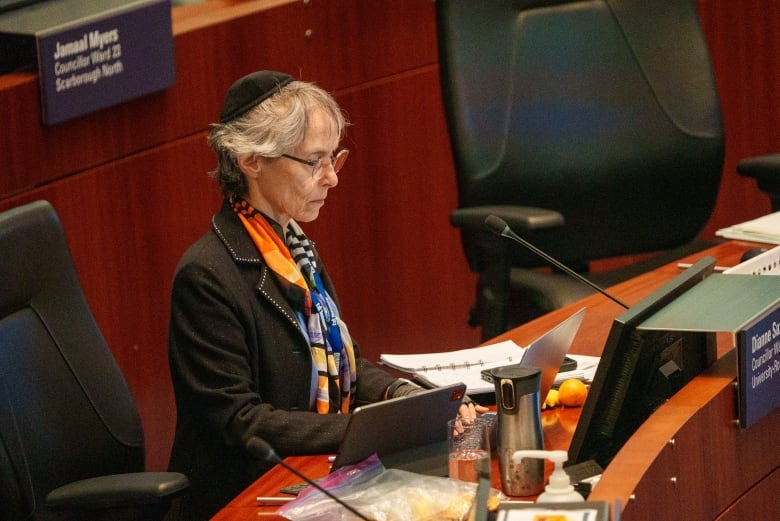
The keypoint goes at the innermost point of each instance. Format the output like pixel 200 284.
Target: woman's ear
pixel 250 164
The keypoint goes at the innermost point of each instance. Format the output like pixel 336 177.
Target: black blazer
pixel 241 367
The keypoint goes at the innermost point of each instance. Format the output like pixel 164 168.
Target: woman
pixel 257 344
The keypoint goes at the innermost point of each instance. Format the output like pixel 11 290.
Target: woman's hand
pixel 471 409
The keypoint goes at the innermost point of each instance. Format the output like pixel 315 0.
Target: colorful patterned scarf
pixel 294 264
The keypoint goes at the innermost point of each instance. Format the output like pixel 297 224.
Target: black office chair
pixel 71 441
pixel 591 127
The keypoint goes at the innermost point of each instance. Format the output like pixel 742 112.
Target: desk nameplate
pixel 758 348
pixel 747 306
pixel 94 54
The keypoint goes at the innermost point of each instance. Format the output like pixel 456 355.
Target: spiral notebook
pixel 466 365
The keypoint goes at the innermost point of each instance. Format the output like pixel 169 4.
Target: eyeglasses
pixel 316 165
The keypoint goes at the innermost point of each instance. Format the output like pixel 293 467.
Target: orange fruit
pixel 572 393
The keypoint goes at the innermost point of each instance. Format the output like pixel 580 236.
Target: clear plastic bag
pixel 383 495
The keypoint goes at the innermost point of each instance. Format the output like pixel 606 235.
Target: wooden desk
pixel 690 452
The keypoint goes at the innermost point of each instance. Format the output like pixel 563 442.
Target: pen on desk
pixel 274 500
pixel 686 265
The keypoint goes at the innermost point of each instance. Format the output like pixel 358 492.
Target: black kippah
pixel 249 91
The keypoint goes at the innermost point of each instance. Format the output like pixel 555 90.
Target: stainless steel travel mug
pixel 519 428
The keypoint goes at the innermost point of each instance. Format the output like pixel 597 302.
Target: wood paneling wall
pixel 745 49
pixel 131 186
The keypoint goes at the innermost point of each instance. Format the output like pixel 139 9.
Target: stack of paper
pixel 764 229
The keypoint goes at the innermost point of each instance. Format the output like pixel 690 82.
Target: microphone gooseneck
pixel 260 448
pixel 500 227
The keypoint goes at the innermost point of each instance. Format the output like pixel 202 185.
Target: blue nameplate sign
pixel 92 54
pixel 759 367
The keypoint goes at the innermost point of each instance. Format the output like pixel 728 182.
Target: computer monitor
pixel 638 371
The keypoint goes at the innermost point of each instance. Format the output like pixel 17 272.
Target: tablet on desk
pixel 408 433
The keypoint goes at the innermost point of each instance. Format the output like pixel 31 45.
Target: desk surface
pixel 559 423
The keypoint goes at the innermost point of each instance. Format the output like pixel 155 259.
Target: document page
pixel 763 229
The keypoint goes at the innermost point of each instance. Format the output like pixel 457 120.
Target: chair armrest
pixel 766 171
pixel 761 167
pixel 118 490
pixel 517 217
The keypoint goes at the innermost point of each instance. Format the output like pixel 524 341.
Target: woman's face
pixel 285 189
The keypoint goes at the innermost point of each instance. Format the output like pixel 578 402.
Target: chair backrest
pixel 66 412
pixel 605 110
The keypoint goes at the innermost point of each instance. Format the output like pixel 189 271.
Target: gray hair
pixel 275 126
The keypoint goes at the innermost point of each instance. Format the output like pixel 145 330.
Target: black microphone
pixel 499 226
pixel 261 449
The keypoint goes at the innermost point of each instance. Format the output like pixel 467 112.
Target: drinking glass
pixel 468 443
